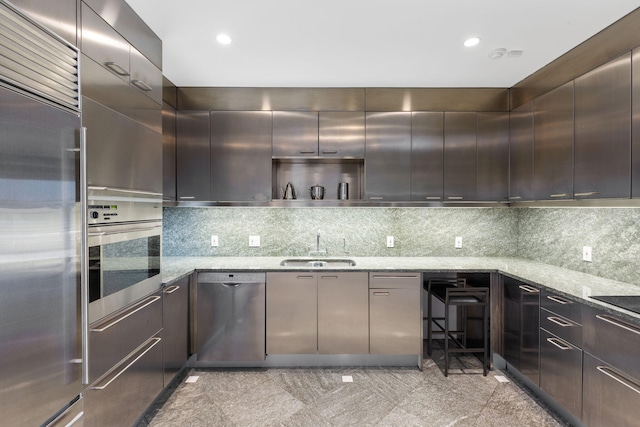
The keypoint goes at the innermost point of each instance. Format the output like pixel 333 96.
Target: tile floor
pixel 376 397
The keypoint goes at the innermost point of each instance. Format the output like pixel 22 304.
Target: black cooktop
pixel 628 302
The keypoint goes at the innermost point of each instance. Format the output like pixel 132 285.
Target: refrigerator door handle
pixel 84 256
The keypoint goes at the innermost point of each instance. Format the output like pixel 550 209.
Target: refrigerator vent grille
pixel 37 61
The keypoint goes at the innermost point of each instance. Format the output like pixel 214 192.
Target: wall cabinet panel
pixel 427 156
pixel 521 153
pixel 460 156
pixel 193 156
pixel 493 156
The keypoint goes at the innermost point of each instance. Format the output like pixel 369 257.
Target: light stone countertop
pixel 572 284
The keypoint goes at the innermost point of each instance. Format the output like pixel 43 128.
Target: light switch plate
pixel 458 243
pixel 254 241
pixel 390 241
pixel 214 240
pixel 586 253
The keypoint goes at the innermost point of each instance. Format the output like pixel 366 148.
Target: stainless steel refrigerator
pixel 40 224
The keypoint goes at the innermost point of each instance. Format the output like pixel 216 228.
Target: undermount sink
pixel 314 262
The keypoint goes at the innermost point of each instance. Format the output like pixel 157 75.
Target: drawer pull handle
pixel 515 197
pixel 558 299
pixel 187 197
pixel 619 323
pixel 586 193
pixel 529 289
pixel 433 198
pixel 141 85
pixel 171 289
pixel 381 294
pixel 308 152
pixel 113 66
pixel 560 195
pixel 559 343
pixel 329 151
pixel 152 343
pixel 611 373
pixel 131 311
pixel 455 197
pixel 560 321
pixel 305 277
pixel 395 277
pixel 376 198
pixel 329 277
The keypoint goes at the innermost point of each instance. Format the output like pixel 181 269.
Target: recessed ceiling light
pixel 223 39
pixel 471 42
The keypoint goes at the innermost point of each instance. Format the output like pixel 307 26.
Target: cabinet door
pixel 521 153
pixel 168 153
pixel 460 156
pixel 175 323
pixel 295 133
pixel 341 134
pixel 193 156
pixel 493 156
pixel 603 131
pixel 241 155
pixel 145 76
pixel 388 156
pixel 292 313
pixel 343 313
pixel 553 144
pixel 59 16
pixel 561 371
pixel 522 327
pixel 427 156
pixel 394 318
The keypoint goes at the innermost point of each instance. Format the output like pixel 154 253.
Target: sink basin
pixel 313 262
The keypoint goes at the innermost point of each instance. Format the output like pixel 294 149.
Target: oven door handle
pixel 128 230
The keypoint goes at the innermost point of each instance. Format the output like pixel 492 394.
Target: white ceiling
pixel 368 43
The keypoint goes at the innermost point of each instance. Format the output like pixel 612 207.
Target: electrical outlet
pixel 254 241
pixel 214 240
pixel 390 242
pixel 586 253
pixel 458 244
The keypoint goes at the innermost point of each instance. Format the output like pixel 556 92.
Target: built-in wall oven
pixel 125 246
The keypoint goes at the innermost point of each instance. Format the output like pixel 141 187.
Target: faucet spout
pixel 318 251
pixel 318 240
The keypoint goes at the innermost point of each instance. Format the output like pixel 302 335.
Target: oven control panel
pixel 102 212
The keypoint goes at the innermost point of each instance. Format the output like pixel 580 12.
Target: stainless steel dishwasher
pixel 230 317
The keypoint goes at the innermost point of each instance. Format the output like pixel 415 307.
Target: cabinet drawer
pixel 612 339
pixel 121 397
pixel 394 280
pixel 113 338
pixel 561 327
pixel 565 307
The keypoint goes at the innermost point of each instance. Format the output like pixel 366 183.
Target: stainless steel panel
pixel 427 156
pixel 635 123
pixel 121 16
pixel 267 99
pixel 295 133
pixel 395 320
pixel 561 371
pixel 612 339
pixel 40 354
pixel 231 317
pixel 169 93
pixel 460 156
pixel 114 337
pixel 437 99
pixel 553 144
pixel 193 156
pixel 563 306
pixel 107 89
pixel 168 152
pixel 561 327
pixel 145 76
pixel 343 313
pixel 103 44
pixel 521 322
pixel 493 156
pixel 603 131
pixel 239 139
pixel 122 396
pixel 59 16
pixel 610 397
pixel 394 280
pixel 388 156
pixel 36 60
pixel 521 153
pixel 341 134
pixel 175 327
pixel 73 416
pixel 292 313
pixel 609 43
pixel 121 152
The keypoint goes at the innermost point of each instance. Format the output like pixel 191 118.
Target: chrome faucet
pixel 318 251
